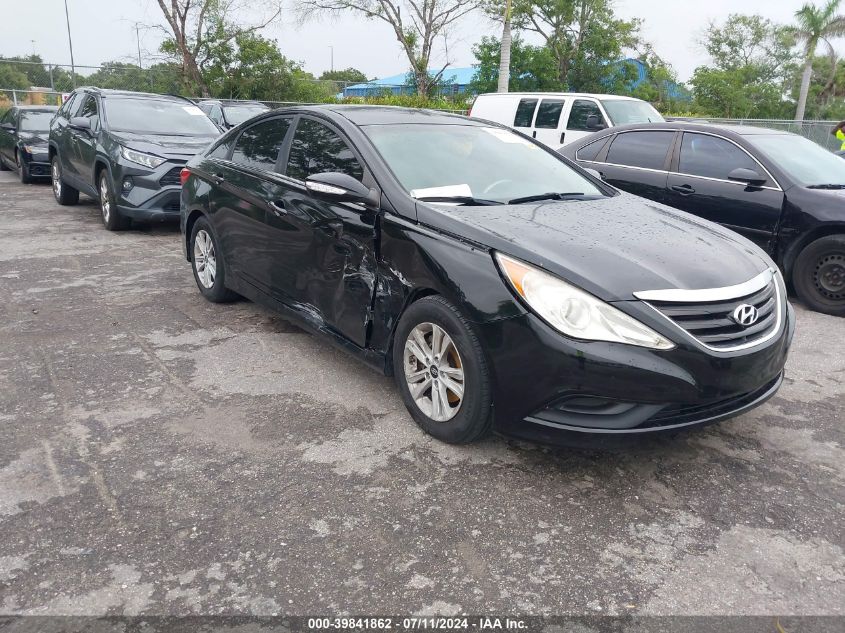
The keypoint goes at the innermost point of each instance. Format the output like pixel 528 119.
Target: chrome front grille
pixel 707 315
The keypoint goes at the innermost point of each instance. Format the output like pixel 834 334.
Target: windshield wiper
pixel 574 195
pixel 469 200
pixel 827 186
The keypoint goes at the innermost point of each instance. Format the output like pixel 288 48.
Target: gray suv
pixel 126 150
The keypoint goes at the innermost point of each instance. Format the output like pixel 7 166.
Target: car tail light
pixel 184 175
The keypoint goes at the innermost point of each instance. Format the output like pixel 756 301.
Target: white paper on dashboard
pixel 446 191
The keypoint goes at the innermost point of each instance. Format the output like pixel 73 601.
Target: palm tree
pixel 505 51
pixel 816 25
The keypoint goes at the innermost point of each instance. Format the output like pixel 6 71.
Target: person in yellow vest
pixel 840 134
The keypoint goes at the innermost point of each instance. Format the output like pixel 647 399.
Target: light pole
pixel 331 48
pixel 70 45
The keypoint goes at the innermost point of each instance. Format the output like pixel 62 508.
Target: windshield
pixel 235 115
pixel 471 161
pixel 157 116
pixel 623 111
pixel 802 160
pixel 36 121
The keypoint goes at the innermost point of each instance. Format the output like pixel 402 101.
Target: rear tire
pixel 819 275
pixel 23 170
pixel 437 354
pixel 112 218
pixel 207 264
pixel 64 194
pixel 3 165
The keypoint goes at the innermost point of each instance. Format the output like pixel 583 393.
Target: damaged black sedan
pixel 505 288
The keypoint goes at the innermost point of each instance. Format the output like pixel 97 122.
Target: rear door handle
pixel 684 190
pixel 278 208
pixel 218 180
pixel 562 136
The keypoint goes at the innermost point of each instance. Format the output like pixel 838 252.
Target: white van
pixel 559 118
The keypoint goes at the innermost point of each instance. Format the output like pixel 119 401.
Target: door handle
pixel 684 190
pixel 562 136
pixel 534 134
pixel 218 180
pixel 278 208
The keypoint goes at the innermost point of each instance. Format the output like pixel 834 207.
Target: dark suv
pixel 228 114
pixel 23 141
pixel 126 150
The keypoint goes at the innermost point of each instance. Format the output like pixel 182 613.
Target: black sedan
pixel 778 189
pixel 503 287
pixel 23 141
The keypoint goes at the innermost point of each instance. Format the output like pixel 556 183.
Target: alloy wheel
pixel 105 199
pixel 57 179
pixel 434 372
pixel 205 260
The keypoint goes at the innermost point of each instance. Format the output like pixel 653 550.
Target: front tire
pixel 442 372
pixel 819 275
pixel 64 194
pixel 112 218
pixel 207 264
pixel 23 170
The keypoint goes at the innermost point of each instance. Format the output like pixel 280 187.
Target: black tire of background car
pixel 3 165
pixel 804 274
pixel 68 196
pixel 474 419
pixel 218 293
pixel 23 170
pixel 116 221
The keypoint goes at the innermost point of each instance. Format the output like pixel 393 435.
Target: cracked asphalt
pixel 162 455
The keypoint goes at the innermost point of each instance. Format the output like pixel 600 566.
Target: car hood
pixel 164 146
pixel 38 138
pixel 611 247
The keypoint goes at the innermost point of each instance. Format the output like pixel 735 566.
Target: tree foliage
pixel 532 68
pixel 814 26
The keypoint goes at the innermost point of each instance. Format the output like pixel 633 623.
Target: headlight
pixel 34 149
pixel 574 312
pixel 142 159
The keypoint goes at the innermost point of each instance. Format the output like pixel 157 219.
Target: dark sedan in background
pixel 502 286
pixel 780 190
pixel 23 141
pixel 125 149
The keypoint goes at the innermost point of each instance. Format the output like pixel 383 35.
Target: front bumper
pixel 154 195
pixel 620 392
pixel 38 164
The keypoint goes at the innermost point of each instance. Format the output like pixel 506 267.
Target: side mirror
pixel 743 174
pixel 593 172
pixel 593 123
pixel 8 126
pixel 80 123
pixel 341 188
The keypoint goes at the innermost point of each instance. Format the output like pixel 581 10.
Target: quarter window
pixel 525 113
pixel 641 149
pixel 258 146
pixel 580 112
pixel 315 149
pixel 548 115
pixel 591 150
pixel 712 157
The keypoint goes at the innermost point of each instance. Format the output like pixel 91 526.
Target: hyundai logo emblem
pixel 745 314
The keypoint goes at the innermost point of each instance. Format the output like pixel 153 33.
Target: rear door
pixel 638 162
pixel 576 124
pixel 523 120
pixel 248 191
pixel 699 184
pixel 323 252
pixel 548 122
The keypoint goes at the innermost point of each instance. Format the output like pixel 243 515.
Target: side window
pixel 89 110
pixel 591 150
pixel 548 115
pixel 7 118
pixel 221 151
pixel 581 110
pixel 258 146
pixel 68 106
pixel 641 149
pixel 525 113
pixel 216 114
pixel 316 148
pixel 704 155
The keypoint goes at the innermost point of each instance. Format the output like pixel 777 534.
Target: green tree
pixel 532 68
pixel 350 75
pixel 816 25
pixel 752 64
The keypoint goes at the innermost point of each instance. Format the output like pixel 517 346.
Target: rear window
pixel 641 149
pixel 525 113
pixel 548 115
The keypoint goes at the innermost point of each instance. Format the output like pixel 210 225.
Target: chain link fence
pixel 820 132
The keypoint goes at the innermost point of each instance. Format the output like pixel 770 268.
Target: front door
pixel 700 185
pixel 323 252
pixel 579 113
pixel 7 136
pixel 84 142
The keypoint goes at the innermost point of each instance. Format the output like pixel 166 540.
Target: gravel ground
pixel 163 455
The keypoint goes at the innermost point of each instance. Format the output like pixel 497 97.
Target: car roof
pixel 559 94
pixel 701 126
pixel 109 92
pixel 233 102
pixel 388 115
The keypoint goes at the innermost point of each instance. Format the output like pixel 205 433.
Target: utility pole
pixel 138 38
pixel 331 48
pixel 70 45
